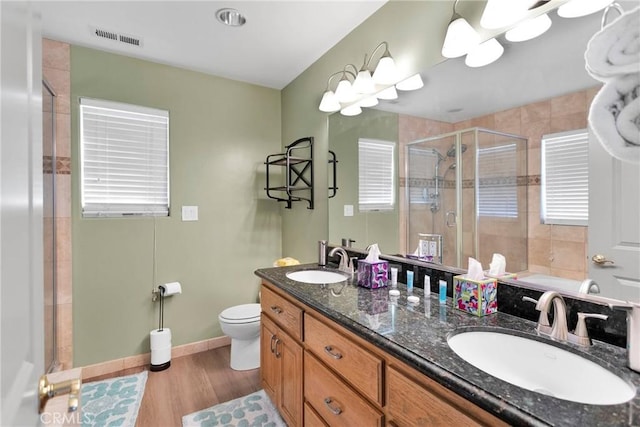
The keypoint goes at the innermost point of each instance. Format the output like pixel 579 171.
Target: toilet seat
pixel 243 313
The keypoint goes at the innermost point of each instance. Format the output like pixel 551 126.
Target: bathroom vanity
pixel 340 354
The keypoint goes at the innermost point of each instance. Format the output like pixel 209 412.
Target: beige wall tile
pixel 569 233
pixel 63 275
pixel 63 239
pixel 65 325
pixel 568 274
pixel 569 104
pixel 540 252
pixel 63 198
pixel 65 357
pixel 534 132
pixel 534 163
pixel 63 135
pixel 568 256
pixel 568 122
pixel 509 121
pixel 61 83
pixel 56 55
pixel 537 112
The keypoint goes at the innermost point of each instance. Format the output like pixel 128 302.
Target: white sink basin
pixel 540 367
pixel 317 276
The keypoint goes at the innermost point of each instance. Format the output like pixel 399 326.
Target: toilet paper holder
pixel 171 288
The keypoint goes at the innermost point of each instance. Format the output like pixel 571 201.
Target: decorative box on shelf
pixel 373 274
pixel 478 297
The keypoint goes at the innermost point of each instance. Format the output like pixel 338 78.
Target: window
pixel 124 159
pixel 497 181
pixel 376 175
pixel 565 178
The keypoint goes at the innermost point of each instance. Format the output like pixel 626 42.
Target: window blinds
pixel 497 181
pixel 565 178
pixel 376 175
pixel 124 159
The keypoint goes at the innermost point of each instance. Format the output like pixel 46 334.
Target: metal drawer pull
pixel 273 338
pixel 334 410
pixel 329 350
pixel 276 309
pixel 277 353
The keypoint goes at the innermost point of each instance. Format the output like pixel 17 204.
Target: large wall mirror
pixel 462 122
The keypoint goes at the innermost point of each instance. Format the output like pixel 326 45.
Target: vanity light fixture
pixel 362 89
pixel 529 29
pixel 231 17
pixel 484 54
pixel 460 38
pixel 503 13
pixel 578 8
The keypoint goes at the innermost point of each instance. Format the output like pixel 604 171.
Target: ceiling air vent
pixel 116 37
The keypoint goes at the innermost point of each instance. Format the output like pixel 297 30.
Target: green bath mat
pixel 112 402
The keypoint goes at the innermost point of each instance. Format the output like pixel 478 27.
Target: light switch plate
pixel 348 210
pixel 189 213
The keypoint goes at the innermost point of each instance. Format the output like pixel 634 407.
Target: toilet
pixel 242 324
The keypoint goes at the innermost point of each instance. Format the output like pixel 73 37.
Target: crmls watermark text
pixel 58 418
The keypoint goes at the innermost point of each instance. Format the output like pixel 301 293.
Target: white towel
pixel 615 49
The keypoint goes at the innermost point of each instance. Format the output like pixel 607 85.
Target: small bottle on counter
pixel 442 292
pixel 409 282
pixel 427 285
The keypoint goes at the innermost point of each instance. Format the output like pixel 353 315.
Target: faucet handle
pixel 581 336
pixel 543 319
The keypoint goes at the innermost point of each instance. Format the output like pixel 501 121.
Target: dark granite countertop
pixel 417 334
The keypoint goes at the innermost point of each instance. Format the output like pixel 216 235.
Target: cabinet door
pixel 411 404
pixel 289 354
pixel 269 370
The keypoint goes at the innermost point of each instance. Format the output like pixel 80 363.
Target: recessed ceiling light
pixel 231 17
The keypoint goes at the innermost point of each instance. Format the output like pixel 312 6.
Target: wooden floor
pixel 192 383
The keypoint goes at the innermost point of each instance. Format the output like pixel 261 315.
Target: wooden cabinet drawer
pixel 333 399
pixel 427 403
pixel 286 314
pixel 355 364
pixel 311 417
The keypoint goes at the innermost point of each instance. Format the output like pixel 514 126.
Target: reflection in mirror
pixel 538 87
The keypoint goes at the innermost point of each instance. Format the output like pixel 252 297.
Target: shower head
pixel 452 151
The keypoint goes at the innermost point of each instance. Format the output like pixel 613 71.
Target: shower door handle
pixel 451 215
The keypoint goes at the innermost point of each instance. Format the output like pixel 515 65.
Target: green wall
pixel 415 32
pixel 365 228
pixel 220 133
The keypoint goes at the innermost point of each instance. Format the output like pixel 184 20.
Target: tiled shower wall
pixel 552 249
pixel 56 68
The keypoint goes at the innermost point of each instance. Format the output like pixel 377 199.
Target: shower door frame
pixel 54 256
pixel 458 173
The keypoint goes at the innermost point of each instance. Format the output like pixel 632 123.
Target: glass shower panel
pixel 49 224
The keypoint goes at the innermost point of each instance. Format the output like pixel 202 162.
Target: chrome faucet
pixel 346 265
pixel 589 286
pixel 559 330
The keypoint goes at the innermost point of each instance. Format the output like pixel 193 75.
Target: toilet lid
pixel 242 312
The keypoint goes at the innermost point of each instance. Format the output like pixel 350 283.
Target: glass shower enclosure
pixel 466 196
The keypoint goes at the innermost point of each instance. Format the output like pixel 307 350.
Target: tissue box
pixel 513 276
pixel 373 302
pixel 477 297
pixel 373 275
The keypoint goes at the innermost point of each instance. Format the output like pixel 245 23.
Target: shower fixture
pixel 451 152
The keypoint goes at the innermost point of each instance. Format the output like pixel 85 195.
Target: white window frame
pixel 124 159
pixel 376 175
pixel 498 181
pixel 564 191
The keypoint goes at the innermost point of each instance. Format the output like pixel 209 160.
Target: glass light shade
pixel 329 103
pixel 388 94
pixel 385 73
pixel 344 91
pixel 364 83
pixel 529 29
pixel 503 13
pixel 460 38
pixel 577 8
pixel 351 110
pixel 484 54
pixel 412 83
pixel 369 101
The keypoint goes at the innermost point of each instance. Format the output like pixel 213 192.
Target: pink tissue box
pixel 477 297
pixel 373 274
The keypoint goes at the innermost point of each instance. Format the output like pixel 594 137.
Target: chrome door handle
pixel 600 259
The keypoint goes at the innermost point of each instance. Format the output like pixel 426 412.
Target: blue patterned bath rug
pixel 253 410
pixel 113 402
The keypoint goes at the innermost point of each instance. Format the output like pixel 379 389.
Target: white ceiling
pixel 278 42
